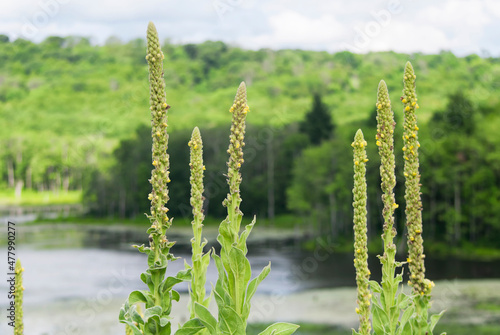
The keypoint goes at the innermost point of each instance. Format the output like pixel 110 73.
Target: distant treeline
pixel 70 113
pixel 306 169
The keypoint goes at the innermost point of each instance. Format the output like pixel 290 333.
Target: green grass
pixel 34 198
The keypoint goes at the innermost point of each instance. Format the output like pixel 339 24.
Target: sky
pixel 428 26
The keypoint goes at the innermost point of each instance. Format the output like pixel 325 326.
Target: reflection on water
pixel 75 265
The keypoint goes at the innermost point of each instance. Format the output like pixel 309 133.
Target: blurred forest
pixel 75 118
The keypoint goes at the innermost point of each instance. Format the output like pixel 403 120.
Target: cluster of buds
pixel 160 159
pixel 200 260
pixel 416 255
pixel 360 233
pixel 239 109
pixel 18 299
pixel 385 142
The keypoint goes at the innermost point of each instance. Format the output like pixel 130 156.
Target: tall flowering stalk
pixel 158 299
pixel 360 234
pixel 18 298
pixel 416 255
pixel 385 143
pixel 234 289
pixel 388 307
pixel 199 259
pixel 422 287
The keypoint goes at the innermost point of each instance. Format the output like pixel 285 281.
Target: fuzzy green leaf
pixel 175 295
pixel 434 320
pixel 241 270
pixel 153 311
pixel 406 317
pixel 190 328
pixel 242 242
pixel 183 275
pixel 375 287
pixel 252 288
pixel 139 296
pixel 206 318
pixel 379 320
pixel 280 328
pixel 231 322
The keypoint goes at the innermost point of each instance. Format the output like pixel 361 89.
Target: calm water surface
pixel 81 266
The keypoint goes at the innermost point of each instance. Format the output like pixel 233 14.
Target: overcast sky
pixel 429 26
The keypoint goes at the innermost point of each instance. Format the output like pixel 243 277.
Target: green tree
pixel 318 124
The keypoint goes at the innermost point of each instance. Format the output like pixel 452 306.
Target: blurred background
pixel 75 154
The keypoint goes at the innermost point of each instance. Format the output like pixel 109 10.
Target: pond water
pixel 81 266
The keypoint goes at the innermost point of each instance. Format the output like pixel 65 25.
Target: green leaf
pixel 406 316
pixel 379 320
pixel 375 287
pixel 139 296
pixel 165 329
pixel 434 320
pixel 135 316
pixel 206 318
pixel 407 329
pixel 220 268
pixel 241 270
pixel 230 322
pixel 175 295
pixel 132 326
pixel 153 311
pixel 280 328
pixel 190 328
pixel 252 288
pixel 242 241
pixel 164 322
pixel 225 237
pixel 403 301
pixel 146 278
pixel 183 275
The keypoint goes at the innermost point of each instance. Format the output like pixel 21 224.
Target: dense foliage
pixel 74 117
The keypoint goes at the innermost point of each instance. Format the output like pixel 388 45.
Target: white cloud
pixel 463 26
pixel 293 30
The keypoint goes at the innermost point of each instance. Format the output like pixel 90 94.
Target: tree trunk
pixel 28 178
pixel 123 202
pixel 10 172
pixel 333 215
pixel 65 182
pixel 19 189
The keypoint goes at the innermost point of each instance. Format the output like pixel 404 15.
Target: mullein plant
pixel 393 312
pixel 18 298
pixel 158 298
pixel 360 237
pixel 234 288
pixel 421 286
pixel 389 302
pixel 200 260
